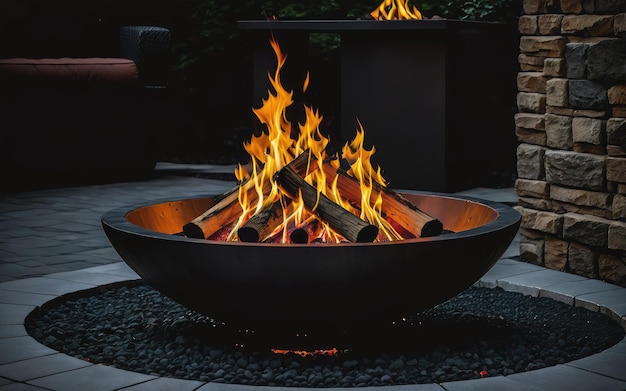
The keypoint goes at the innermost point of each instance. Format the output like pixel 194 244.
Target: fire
pixel 275 148
pixel 398 10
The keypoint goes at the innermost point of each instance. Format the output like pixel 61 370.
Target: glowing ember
pixel 396 10
pixel 307 353
pixel 275 148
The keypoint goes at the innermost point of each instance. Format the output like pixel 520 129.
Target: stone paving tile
pixel 568 291
pixel 26 246
pixel 95 259
pixel 73 249
pixel 611 303
pixel 109 268
pixel 14 313
pixel 92 378
pixel 57 260
pixel 24 298
pixel 4 278
pixel 607 363
pixel 47 286
pixel 567 378
pixel 118 268
pixel 532 282
pixel 21 387
pixel 40 366
pixel 32 243
pixel 106 253
pixel 166 384
pixel 21 348
pixel 30 263
pixel 42 270
pixel 71 226
pixel 21 215
pixel 12 330
pixel 498 383
pixel 505 268
pixel 13 271
pixel 87 277
pixel 126 274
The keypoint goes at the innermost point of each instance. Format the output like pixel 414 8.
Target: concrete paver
pixel 609 363
pixel 92 377
pixel 166 384
pixel 489 383
pixel 532 283
pixel 14 349
pixel 33 368
pixel 568 378
pixel 567 292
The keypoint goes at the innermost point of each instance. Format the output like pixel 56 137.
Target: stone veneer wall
pixel 571 128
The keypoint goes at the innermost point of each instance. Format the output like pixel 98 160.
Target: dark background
pixel 209 85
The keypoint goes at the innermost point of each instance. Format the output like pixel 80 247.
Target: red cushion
pixel 89 70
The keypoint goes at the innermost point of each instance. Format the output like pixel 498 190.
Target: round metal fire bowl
pixel 302 286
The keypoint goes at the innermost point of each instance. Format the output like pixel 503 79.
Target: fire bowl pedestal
pixel 305 287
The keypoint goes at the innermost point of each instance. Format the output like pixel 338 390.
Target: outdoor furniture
pixel 76 120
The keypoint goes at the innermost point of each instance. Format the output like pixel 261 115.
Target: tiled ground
pixel 52 244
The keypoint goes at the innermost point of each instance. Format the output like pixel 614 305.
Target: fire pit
pixel 305 286
pixel 307 239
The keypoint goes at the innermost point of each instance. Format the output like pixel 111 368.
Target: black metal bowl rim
pixel 506 217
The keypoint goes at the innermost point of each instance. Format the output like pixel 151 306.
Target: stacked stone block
pixel 571 128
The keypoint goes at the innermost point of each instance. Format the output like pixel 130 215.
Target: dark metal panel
pixel 395 84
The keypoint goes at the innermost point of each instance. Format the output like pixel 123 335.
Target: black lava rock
pixel 481 332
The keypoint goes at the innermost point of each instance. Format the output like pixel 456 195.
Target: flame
pixel 398 10
pixel 275 148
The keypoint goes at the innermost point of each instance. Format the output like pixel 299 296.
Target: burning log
pixel 299 235
pixel 221 214
pixel 395 206
pixel 227 207
pixel 341 220
pixel 303 233
pixel 261 224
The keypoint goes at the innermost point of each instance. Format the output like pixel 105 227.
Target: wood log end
pixel 191 230
pixel 299 235
pixel 367 234
pixel 248 234
pixel 432 228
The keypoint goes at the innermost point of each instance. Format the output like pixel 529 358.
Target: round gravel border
pixel 481 332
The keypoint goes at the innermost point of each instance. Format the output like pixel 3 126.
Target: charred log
pixel 394 205
pixel 261 224
pixel 341 220
pixel 227 207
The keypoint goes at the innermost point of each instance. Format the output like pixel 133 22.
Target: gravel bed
pixel 481 332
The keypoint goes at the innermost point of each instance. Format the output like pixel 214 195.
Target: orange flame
pixel 275 148
pixel 398 10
